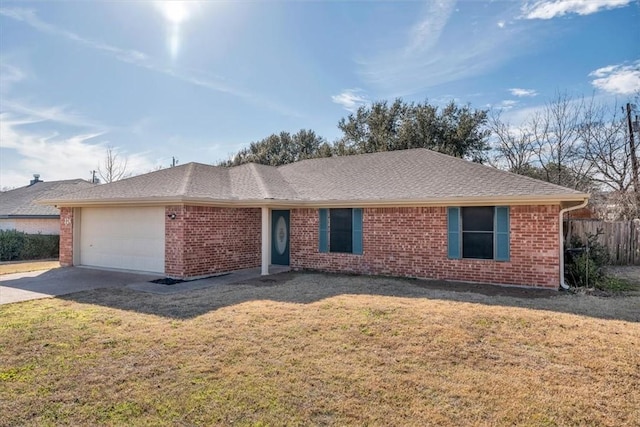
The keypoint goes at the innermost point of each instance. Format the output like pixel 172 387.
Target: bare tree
pixel 114 167
pixel 577 144
pixel 605 146
pixel 605 135
pixel 558 146
pixel 513 146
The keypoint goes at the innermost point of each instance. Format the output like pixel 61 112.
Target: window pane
pixel 341 241
pixel 477 245
pixel 477 218
pixel 340 230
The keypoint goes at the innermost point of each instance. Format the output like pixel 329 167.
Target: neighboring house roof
pixel 22 202
pixel 417 176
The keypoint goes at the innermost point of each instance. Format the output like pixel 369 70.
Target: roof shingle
pixel 417 174
pixel 22 202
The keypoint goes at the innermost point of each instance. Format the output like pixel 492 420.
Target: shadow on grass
pixel 308 287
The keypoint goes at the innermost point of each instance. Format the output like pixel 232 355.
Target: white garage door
pixel 123 238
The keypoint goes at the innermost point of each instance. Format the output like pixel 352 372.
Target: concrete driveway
pixel 61 281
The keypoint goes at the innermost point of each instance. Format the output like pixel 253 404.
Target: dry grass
pixel 26 266
pixel 322 350
pixel 630 273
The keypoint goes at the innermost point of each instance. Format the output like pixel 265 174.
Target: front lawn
pixel 26 266
pixel 303 349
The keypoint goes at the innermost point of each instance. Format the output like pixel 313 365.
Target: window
pixel 478 232
pixel 340 230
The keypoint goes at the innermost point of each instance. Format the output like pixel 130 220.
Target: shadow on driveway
pixel 62 281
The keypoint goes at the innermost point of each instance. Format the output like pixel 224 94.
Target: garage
pixel 123 238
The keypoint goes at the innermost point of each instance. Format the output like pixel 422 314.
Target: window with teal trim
pixel 340 230
pixel 478 232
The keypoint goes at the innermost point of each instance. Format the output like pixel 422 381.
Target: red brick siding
pixel 204 240
pixel 66 237
pixel 412 242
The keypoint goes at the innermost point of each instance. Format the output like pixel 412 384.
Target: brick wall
pixel 66 237
pixel 412 242
pixel 205 240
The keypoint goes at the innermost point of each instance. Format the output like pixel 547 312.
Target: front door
pixel 280 237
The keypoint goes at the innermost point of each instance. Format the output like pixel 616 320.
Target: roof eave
pixel 565 200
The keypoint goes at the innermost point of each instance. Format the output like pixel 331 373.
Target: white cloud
pixel 507 104
pixel 60 114
pixel 54 141
pixel 47 153
pixel 29 17
pixel 52 155
pixel 620 79
pixel 350 99
pixel 501 24
pixel 422 57
pixel 425 33
pixel 548 9
pixel 522 92
pixel 9 75
pixel 143 60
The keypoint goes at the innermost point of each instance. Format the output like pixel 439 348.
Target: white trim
pixel 563 285
pixel 76 234
pixel 266 240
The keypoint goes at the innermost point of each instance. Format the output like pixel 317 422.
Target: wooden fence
pixel 621 238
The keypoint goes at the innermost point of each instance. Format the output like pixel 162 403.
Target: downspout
pixel 563 285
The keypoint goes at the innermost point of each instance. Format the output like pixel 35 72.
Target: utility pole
pixel 174 162
pixel 93 177
pixel 634 156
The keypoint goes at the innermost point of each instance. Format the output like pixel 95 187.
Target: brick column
pixel 174 246
pixel 66 237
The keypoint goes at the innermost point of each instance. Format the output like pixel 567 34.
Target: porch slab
pixel 219 280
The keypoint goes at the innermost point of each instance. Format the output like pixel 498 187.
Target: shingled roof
pixel 22 202
pixel 400 177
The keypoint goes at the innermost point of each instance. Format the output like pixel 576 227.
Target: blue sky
pixel 200 80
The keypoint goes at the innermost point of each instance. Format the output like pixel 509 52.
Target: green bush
pixel 586 268
pixel 19 246
pixel 11 243
pixel 583 271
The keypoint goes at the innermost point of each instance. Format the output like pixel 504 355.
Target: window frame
pixel 501 233
pixel 324 230
pixel 471 232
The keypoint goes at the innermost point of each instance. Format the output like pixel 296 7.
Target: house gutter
pixel 563 285
pixel 335 203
